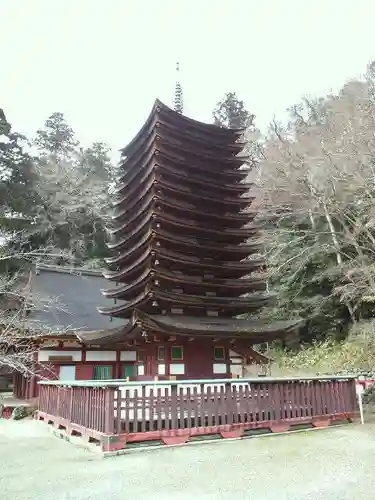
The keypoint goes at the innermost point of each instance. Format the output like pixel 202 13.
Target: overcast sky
pixel 103 62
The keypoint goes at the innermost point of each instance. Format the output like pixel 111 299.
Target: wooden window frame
pixel 182 352
pixel 219 347
pixel 126 365
pixel 159 348
pixel 101 365
pixel 60 359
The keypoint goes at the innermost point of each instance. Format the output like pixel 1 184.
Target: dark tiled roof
pixel 67 299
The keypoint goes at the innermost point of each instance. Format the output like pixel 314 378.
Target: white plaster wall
pixel 100 355
pixel 141 370
pixel 233 354
pixel 177 368
pixel 44 354
pixel 236 369
pixel 220 368
pixel 128 355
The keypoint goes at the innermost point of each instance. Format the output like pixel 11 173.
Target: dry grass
pixel 354 355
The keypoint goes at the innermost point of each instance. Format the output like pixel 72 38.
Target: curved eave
pixel 126 291
pixel 170 116
pixel 244 250
pixel 143 131
pixel 132 252
pixel 148 241
pixel 255 331
pixel 240 202
pixel 216 283
pixel 186 136
pixel 231 167
pixel 216 158
pixel 147 178
pixel 193 249
pixel 142 262
pixel 246 266
pixel 187 208
pixel 207 128
pixel 145 207
pixel 220 165
pixel 243 218
pixel 228 200
pixel 111 336
pixel 140 228
pixel 148 206
pixel 239 187
pixel 175 221
pixel 205 301
pixel 147 191
pixel 134 166
pixel 126 309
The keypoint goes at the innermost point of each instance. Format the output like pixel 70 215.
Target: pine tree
pixel 57 137
pixel 17 180
pixel 231 112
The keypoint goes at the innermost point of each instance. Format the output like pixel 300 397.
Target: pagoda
pixel 181 237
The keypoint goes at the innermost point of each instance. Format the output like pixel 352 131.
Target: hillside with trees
pixel 58 198
pixel 315 183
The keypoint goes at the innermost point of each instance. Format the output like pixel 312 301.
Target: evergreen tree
pixel 231 112
pixel 96 161
pixel 73 184
pixel 17 180
pixel 57 137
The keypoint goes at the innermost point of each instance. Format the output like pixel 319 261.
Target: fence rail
pixel 116 413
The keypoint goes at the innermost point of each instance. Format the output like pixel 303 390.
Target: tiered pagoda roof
pixel 181 234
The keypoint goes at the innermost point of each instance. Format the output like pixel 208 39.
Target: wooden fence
pixel 116 413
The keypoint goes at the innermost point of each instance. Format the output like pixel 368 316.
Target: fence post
pixel 71 404
pixel 229 402
pixel 109 416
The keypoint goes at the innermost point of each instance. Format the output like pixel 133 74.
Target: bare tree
pixel 20 335
pixel 320 167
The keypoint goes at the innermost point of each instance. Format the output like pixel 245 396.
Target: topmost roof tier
pixel 180 123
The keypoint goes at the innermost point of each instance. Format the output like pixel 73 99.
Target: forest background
pixel 314 191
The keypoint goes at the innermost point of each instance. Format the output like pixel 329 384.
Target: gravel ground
pixel 330 464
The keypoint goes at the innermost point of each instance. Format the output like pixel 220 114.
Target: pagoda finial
pixel 178 95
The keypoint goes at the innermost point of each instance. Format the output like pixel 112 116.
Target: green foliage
pixel 231 112
pixel 18 195
pixel 57 137
pixel 17 178
pixel 355 355
pixel 96 161
pixel 368 396
pixel 73 186
pixel 303 274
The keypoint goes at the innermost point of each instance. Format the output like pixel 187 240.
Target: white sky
pixel 103 62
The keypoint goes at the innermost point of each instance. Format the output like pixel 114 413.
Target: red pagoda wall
pixel 154 359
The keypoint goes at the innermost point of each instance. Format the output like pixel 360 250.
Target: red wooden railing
pixel 175 411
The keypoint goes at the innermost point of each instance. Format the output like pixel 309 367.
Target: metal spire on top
pixel 178 101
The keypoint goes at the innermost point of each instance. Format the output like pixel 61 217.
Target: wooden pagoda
pixel 181 239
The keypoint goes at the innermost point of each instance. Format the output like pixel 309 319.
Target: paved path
pixel 331 464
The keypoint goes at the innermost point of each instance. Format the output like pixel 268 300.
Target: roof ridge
pixel 77 271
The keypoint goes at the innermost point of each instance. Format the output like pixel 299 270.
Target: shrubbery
pixel 355 355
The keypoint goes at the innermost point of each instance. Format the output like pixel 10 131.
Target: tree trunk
pixel 336 245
